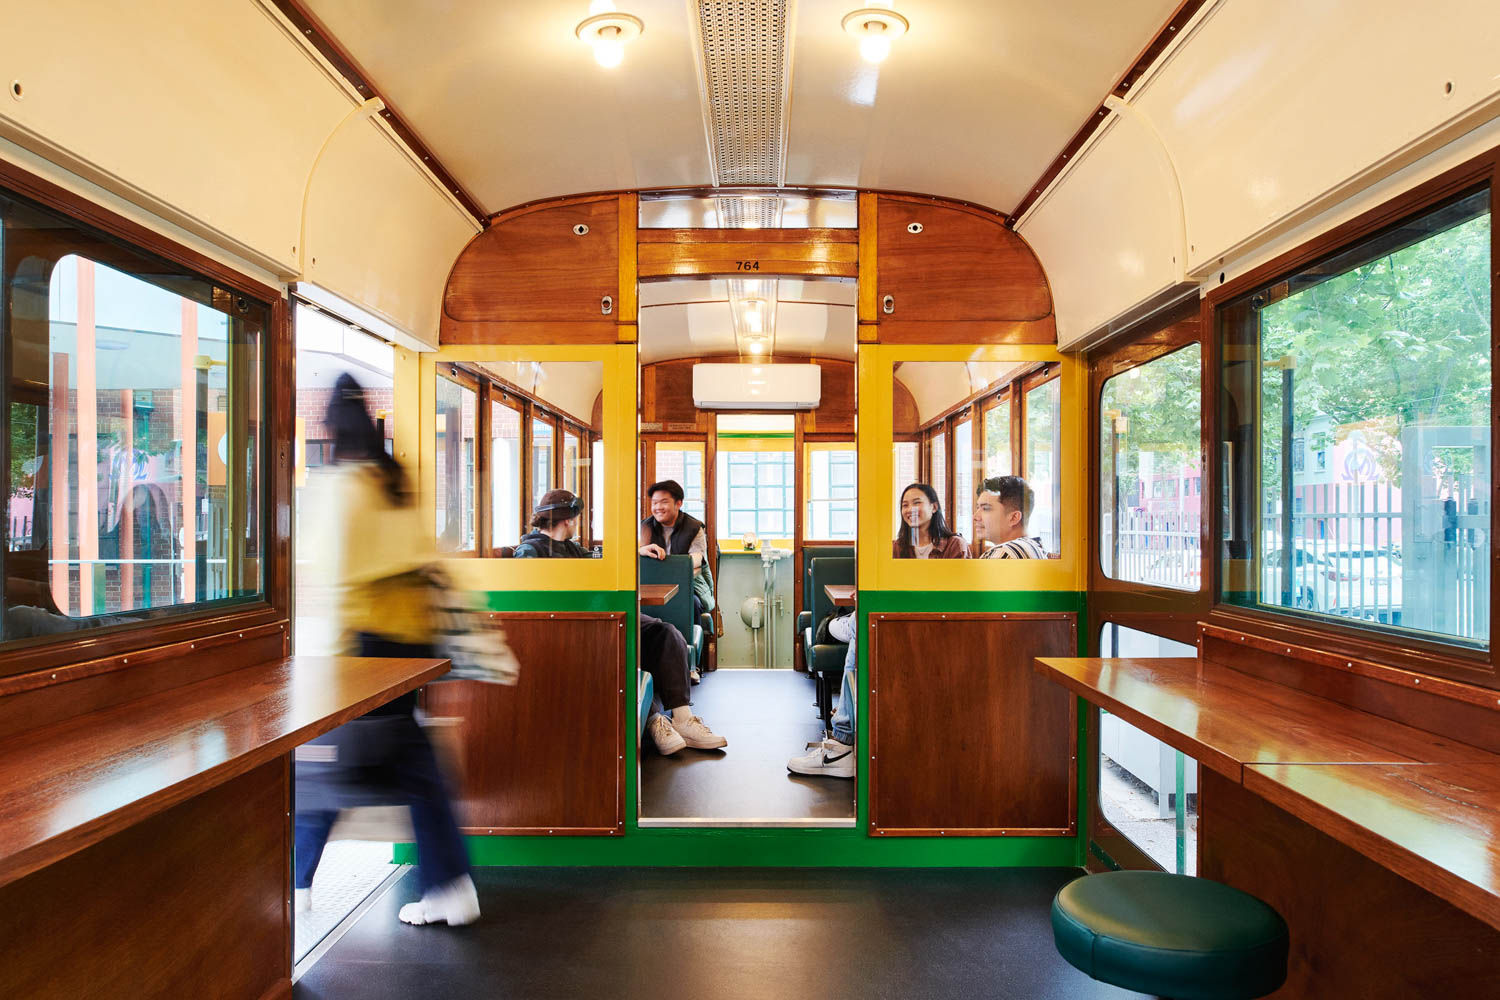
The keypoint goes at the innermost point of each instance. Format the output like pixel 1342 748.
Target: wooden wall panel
pixel 190 903
pixel 974 741
pixel 667 396
pixel 905 418
pixel 1357 929
pixel 545 756
pixel 964 266
pixel 530 267
pixel 835 412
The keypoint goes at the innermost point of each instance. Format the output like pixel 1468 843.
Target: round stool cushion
pixel 1171 935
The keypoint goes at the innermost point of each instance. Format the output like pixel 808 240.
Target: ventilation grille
pixel 738 212
pixel 745 60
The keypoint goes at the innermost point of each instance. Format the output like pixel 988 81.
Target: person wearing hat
pixel 553 525
pixel 663 651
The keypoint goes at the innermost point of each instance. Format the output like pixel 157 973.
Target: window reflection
pixel 1357 415
pixel 1147 791
pixel 960 430
pixel 1151 479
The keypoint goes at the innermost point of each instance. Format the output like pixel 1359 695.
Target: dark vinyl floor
pixel 767 716
pixel 719 934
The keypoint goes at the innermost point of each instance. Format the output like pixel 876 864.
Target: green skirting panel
pixel 787 848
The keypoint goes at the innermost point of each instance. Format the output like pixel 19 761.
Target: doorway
pixel 773 485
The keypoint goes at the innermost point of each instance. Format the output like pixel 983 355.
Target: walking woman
pixel 374 547
pixel 924 534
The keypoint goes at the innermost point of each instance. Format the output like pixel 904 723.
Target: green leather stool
pixel 1170 935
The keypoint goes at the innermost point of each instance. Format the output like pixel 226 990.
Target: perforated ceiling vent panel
pixel 749 212
pixel 745 66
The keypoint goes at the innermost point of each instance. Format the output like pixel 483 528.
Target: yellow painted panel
pixel 878 569
pixel 616 570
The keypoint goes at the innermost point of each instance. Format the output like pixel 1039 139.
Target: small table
pixel 657 594
pixel 841 594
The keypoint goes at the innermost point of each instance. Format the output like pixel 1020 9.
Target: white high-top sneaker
pixel 454 904
pixel 829 759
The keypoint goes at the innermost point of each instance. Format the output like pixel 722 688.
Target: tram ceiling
pixel 973 103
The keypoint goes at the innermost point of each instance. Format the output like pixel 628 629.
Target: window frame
pixel 1391 654
pixel 94 649
pixel 811 444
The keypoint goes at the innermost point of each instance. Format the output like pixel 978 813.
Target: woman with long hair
pixel 924 533
pixel 374 551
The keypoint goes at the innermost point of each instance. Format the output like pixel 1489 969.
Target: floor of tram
pixel 719 933
pixel 767 716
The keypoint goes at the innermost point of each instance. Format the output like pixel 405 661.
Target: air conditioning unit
pixel 757 387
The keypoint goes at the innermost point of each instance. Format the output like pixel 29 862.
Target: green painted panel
pixel 726 847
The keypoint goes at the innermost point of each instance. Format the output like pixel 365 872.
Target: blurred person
pixel 663 652
pixel 924 533
pixel 375 550
pixel 1002 506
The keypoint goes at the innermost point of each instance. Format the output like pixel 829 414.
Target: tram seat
pixel 805 616
pixel 645 695
pixel 679 610
pixel 825 661
pixel 505 552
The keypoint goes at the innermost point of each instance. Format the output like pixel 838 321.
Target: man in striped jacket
pixel 1001 508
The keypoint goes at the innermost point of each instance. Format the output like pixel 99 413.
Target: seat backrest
pixel 505 552
pixel 823 572
pixel 811 552
pixel 679 610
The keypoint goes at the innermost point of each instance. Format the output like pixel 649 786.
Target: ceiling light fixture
pixel 607 30
pixel 876 28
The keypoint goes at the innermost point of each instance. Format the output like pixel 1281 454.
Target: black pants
pixel 664 655
pixel 408 774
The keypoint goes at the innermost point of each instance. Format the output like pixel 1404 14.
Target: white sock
pixel 682 714
pixel 302 898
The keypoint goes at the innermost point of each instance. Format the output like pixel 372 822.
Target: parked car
pixel 1352 582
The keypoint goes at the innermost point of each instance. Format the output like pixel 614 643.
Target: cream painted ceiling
pixel 973 103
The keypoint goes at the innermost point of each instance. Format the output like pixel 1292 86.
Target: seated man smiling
pixel 1001 509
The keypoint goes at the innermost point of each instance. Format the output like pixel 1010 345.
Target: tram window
pixel 759 497
pixel 1042 459
pixel 997 444
pixel 1149 468
pixel 596 489
pixel 1356 403
pixel 134 407
pixel 970 422
pixel 682 461
pixel 1140 777
pixel 457 407
pixel 830 486
pixel 505 470
pixel 543 435
pixel 963 476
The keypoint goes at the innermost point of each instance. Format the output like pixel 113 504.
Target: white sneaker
pixel 453 904
pixel 694 676
pixel 829 759
pixel 697 735
pixel 667 739
pixel 303 900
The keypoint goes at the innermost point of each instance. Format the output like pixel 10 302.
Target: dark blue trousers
pixel 408 774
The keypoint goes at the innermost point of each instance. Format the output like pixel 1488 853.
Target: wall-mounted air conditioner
pixel 756 387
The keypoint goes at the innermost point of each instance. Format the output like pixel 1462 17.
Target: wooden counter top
pixel 1437 826
pixel 70 785
pixel 656 594
pixel 1225 719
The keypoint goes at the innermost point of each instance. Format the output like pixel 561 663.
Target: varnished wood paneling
pixel 835 411
pixel 965 738
pixel 1225 720
pixel 964 266
pixel 34 700
pixel 71 785
pixel 667 395
pixel 189 903
pixel 1462 711
pixel 905 418
pixel 531 267
pixel 545 756
pixel 1357 929
pixel 748 252
pixel 1436 825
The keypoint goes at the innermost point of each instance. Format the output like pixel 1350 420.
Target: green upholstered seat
pixel 1171 935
